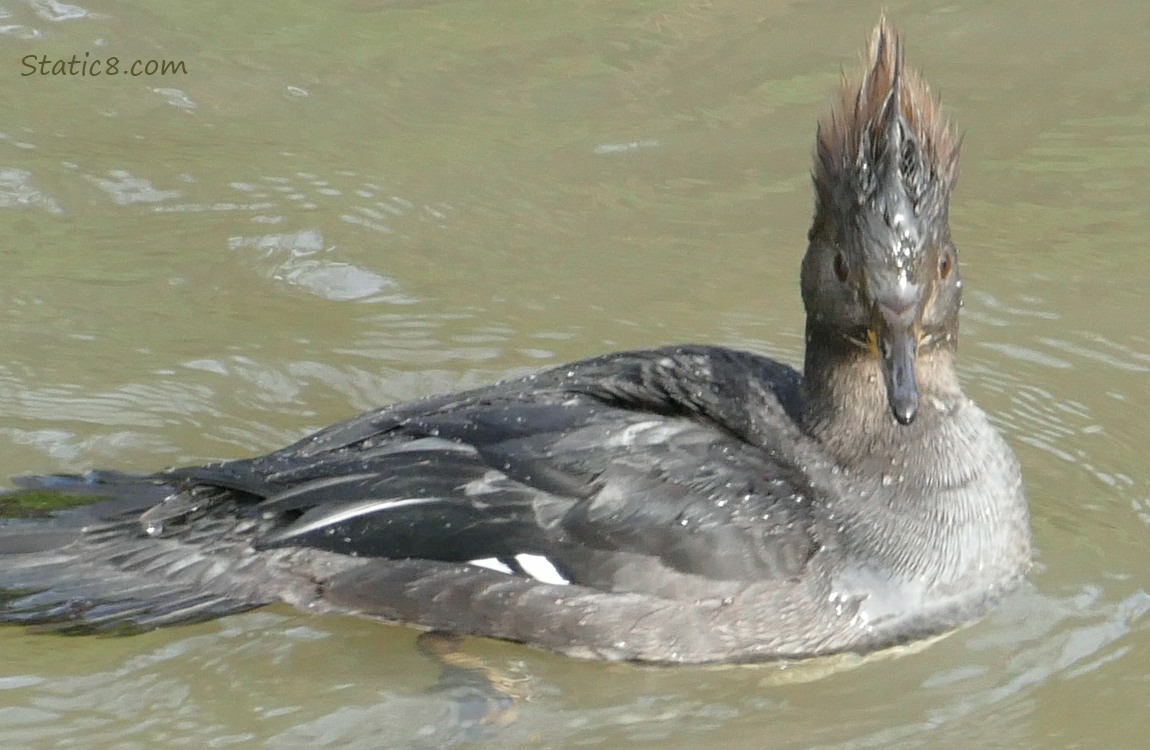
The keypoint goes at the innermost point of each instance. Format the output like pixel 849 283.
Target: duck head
pixel 880 278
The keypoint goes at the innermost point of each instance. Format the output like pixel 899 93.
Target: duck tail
pixel 75 559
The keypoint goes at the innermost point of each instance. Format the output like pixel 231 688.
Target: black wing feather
pixel 561 471
pixel 674 455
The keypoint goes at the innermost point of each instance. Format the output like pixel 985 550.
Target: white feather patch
pixel 355 510
pixel 540 568
pixel 491 563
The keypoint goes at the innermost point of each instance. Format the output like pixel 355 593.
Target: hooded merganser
pixel 684 504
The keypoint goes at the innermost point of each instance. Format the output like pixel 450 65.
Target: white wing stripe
pixel 540 568
pixel 491 563
pixel 356 510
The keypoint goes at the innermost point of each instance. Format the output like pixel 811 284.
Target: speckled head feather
pixel 885 145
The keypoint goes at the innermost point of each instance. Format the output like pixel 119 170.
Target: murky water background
pixel 347 204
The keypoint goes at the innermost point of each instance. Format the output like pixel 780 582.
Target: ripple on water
pixel 17 191
pixel 302 259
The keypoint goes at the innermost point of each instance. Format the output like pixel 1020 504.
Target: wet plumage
pixel 684 504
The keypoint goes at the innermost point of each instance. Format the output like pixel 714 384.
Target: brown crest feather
pixel 862 143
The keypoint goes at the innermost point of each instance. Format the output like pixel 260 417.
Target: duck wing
pixel 683 461
pixel 690 455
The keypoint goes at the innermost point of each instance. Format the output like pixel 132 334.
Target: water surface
pixel 343 205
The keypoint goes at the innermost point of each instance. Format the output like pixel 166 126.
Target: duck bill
pixel 898 347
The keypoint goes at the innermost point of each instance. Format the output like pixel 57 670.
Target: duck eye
pixel 944 265
pixel 841 269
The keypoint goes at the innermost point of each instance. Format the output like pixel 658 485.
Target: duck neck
pixel 846 409
pixel 944 504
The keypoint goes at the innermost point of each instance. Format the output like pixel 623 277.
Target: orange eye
pixel 841 266
pixel 944 265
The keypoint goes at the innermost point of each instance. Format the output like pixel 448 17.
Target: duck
pixel 687 504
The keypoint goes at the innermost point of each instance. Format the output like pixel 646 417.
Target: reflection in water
pixel 54 10
pixel 1098 349
pixel 343 207
pixel 16 191
pixel 127 189
pixel 177 98
pixel 301 259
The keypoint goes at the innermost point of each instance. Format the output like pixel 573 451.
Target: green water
pixel 343 205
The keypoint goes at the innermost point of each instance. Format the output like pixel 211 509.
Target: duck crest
pixel 885 148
